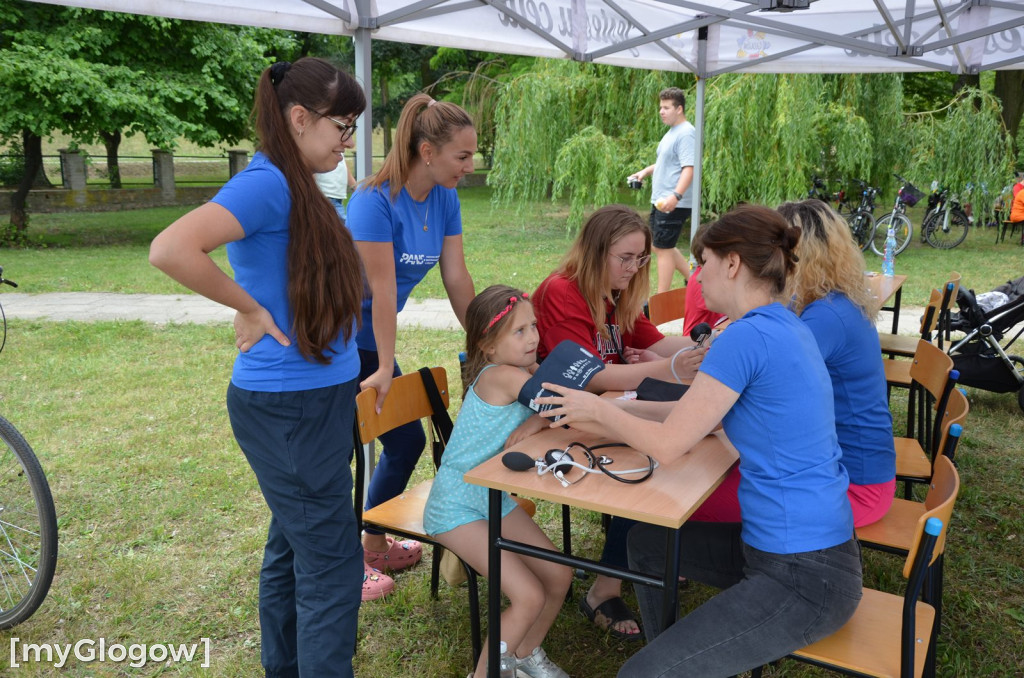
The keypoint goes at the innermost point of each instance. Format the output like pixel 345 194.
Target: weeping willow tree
pixel 964 146
pixel 577 130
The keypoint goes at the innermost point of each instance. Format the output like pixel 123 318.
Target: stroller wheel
pixel 1020 397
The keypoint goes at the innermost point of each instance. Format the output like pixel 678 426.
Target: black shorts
pixel 666 227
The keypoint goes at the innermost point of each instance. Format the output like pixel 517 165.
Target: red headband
pixel 504 312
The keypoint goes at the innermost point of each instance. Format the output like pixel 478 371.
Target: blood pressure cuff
pixel 662 391
pixel 568 364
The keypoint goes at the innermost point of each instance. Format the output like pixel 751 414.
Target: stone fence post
pixel 163 172
pixel 237 160
pixel 72 170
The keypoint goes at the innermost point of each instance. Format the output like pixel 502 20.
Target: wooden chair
pixel 667 306
pixel 928 415
pixel 894 635
pixel 934 326
pixel 408 401
pixel 897 530
pixel 905 344
pixel 915 462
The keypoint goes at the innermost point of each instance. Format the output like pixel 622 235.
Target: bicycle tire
pixel 946 238
pixel 904 232
pixel 28 529
pixel 862 226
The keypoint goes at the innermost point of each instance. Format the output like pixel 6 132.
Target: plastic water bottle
pixel 889 254
pixel 506 663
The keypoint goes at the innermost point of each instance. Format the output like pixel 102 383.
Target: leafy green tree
pixel 98 75
pixel 965 146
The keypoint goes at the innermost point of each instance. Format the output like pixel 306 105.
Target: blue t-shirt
pixel 675 151
pixel 792 489
pixel 848 341
pixel 416 229
pixel 258 197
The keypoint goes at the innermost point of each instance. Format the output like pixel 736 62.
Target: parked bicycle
pixel 945 223
pixel 819 191
pixel 908 196
pixel 862 218
pixel 28 522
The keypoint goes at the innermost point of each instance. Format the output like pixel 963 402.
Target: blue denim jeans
pixel 299 444
pixel 339 206
pixel 772 604
pixel 400 448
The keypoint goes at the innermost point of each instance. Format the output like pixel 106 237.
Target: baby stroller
pixel 981 356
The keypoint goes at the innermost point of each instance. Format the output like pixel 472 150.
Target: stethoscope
pixel 559 462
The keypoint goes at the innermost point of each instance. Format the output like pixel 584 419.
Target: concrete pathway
pixel 192 308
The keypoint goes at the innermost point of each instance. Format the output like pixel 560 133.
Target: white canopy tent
pixel 704 37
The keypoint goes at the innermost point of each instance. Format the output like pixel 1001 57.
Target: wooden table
pixel 667 499
pixel 882 289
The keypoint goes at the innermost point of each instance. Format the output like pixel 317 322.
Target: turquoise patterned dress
pixel 480 433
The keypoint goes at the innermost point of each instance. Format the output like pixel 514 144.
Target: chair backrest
pixel 930 319
pixel 942 493
pixel 407 401
pixel 931 368
pixel 667 306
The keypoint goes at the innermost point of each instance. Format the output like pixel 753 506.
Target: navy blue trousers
pixel 299 444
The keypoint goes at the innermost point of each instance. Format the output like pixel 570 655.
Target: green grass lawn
pixel 107 251
pixel 162 523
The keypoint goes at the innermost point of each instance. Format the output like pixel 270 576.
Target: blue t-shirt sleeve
pixel 254 198
pixel 370 215
pixel 453 222
pixel 734 356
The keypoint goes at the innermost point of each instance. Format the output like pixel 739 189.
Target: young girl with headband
pixel 501 352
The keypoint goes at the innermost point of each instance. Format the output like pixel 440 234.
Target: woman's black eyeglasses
pixel 346 130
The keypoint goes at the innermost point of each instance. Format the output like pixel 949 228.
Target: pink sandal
pixel 376 584
pixel 400 555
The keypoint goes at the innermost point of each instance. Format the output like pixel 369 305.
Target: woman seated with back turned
pixel 830 296
pixel 596 299
pixel 791 571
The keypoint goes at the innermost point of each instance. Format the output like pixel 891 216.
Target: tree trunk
pixel 112 141
pixel 1010 90
pixel 33 149
pixel 965 80
pixel 384 98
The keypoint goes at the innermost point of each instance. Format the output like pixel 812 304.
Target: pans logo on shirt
pixel 409 259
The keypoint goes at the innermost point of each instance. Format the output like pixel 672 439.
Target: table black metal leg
pixel 493 582
pixel 671 581
pixel 896 311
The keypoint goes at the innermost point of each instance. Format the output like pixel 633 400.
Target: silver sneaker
pixel 537 665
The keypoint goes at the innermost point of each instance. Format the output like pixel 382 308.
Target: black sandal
pixel 608 614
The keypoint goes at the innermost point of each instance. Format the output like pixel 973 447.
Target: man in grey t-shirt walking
pixel 671 198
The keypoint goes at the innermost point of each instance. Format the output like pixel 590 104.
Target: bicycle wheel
pixel 28 529
pixel 862 225
pixel 903 228
pixel 945 235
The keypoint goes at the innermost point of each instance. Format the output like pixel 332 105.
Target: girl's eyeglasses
pixel 630 262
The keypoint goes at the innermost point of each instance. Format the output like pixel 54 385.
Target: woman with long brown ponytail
pixel 405 220
pixel 297 290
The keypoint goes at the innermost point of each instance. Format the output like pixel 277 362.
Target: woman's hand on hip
pixel 252 326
